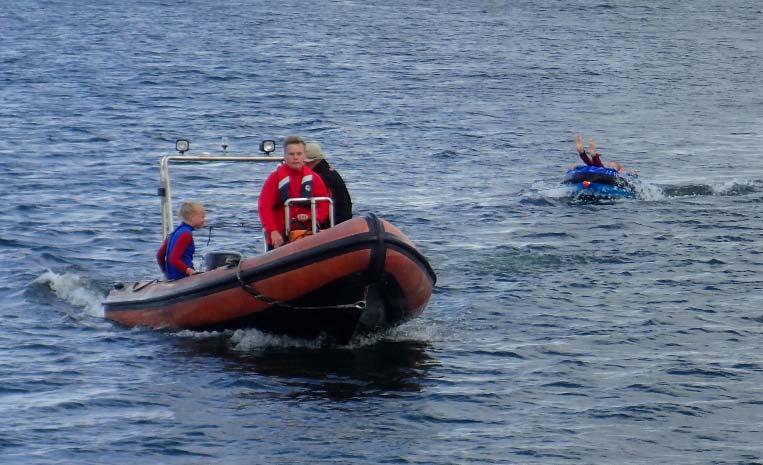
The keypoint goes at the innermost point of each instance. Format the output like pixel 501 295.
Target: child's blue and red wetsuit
pixel 176 253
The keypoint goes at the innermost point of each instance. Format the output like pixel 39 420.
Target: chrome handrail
pixel 313 216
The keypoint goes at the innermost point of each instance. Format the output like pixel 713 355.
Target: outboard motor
pixel 214 260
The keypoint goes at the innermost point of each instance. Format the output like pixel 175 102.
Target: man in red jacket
pixel 290 180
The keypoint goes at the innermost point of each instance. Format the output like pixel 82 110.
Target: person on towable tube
pixel 292 179
pixel 592 157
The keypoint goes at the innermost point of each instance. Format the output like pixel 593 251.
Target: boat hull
pixel 361 276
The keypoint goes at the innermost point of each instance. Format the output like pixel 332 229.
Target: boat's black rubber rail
pixel 375 270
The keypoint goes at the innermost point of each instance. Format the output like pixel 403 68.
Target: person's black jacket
pixel 335 183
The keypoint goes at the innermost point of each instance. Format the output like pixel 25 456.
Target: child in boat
pixel 594 158
pixel 175 256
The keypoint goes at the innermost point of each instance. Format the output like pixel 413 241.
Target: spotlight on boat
pixel 182 146
pixel 268 146
pixel 586 184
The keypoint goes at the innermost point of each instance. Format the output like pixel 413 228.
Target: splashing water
pixel 735 187
pixel 247 340
pixel 74 289
pixel 648 191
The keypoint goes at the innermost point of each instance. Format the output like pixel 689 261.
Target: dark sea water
pixel 560 332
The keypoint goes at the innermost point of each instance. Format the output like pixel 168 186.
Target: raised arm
pixel 579 144
pixel 595 156
pixel 581 150
pixel 267 200
pixel 161 255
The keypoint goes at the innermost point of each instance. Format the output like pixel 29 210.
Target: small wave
pixel 74 289
pixel 540 202
pixel 542 191
pixel 726 188
pixel 253 340
pixel 543 194
pixel 201 335
pixel 688 190
pixel 445 155
pixel 414 331
pixel 702 372
pixel 647 412
pixel 649 192
pixel 735 188
pixel 249 340
pixel 564 384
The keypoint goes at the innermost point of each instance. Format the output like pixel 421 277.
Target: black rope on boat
pixel 138 286
pixel 359 305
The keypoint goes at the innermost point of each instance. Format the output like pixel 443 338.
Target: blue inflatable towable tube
pixel 593 181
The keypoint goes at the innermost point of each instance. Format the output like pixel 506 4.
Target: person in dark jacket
pixel 316 160
pixel 175 256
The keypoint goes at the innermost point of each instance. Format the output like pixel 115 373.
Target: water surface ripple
pixel 560 332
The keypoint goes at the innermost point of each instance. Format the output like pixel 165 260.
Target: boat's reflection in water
pixel 372 367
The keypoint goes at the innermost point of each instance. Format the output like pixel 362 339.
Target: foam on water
pixel 648 191
pixel 200 335
pixel 251 340
pixel 652 192
pixel 732 187
pixel 736 187
pixel 626 331
pixel 74 289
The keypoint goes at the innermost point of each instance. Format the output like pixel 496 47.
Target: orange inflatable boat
pixel 361 276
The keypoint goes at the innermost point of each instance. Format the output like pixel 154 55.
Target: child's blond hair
pixel 188 208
